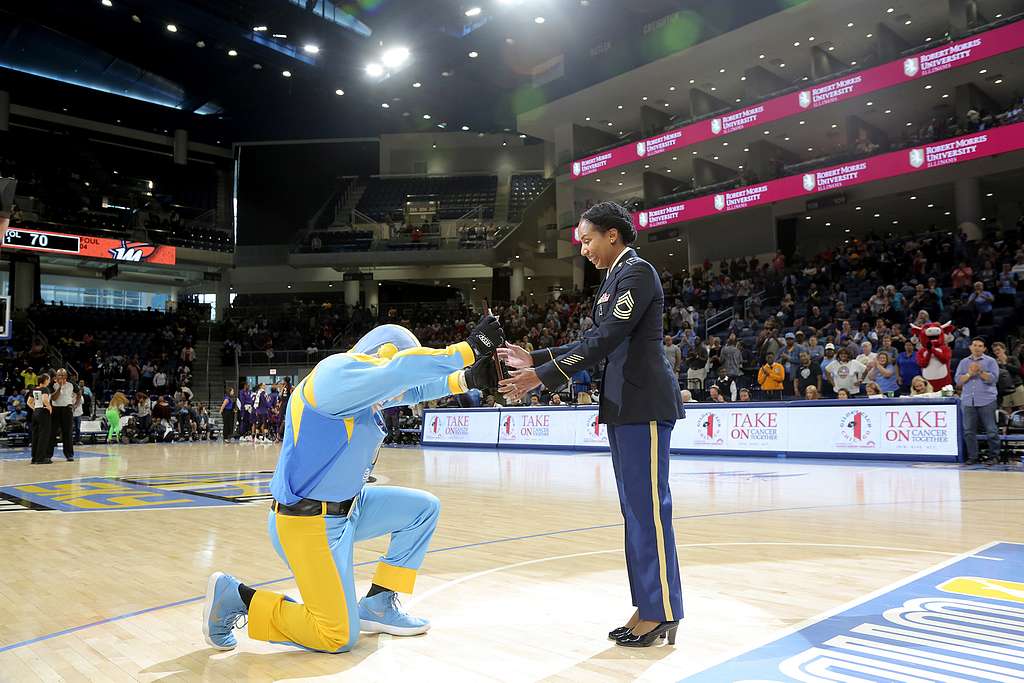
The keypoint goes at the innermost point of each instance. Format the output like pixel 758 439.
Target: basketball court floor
pixel 104 562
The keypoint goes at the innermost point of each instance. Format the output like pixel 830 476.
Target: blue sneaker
pixel 224 608
pixel 383 613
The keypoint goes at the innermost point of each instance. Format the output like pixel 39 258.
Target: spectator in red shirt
pixel 963 276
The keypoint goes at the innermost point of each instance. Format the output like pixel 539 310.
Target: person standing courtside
pixel 61 421
pixel 640 403
pixel 39 402
pixel 976 376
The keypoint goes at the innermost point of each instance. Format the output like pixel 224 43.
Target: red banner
pixel 989 44
pixel 85 246
pixel 943 153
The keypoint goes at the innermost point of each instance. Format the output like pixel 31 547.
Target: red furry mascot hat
pixel 934 353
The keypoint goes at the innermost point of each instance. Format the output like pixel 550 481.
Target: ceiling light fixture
pixel 473 12
pixel 538 20
pixel 232 53
pixel 374 70
pixel 465 128
pixel 312 49
pixel 474 54
pixel 395 57
pixel 259 28
pixel 286 73
pixel 339 92
pixel 106 3
pixel 172 28
pixel 426 117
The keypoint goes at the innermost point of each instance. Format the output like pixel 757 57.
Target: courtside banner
pixel 889 165
pixel 761 429
pixel 960 53
pixel 539 427
pixel 589 432
pixel 476 427
pixel 877 427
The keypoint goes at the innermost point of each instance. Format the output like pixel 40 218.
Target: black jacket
pixel 637 384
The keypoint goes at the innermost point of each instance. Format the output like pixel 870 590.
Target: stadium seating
pixel 385 198
pixel 525 188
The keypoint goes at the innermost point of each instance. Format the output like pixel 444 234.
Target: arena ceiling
pixel 240 69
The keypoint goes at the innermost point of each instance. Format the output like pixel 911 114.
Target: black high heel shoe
pixel 617 633
pixel 664 629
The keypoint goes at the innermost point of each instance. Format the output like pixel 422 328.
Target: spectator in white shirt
pixel 867 356
pixel 845 373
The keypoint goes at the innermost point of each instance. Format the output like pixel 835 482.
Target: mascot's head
pixel 385 341
pixel 933 334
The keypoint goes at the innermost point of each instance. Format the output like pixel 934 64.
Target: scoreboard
pixel 87 246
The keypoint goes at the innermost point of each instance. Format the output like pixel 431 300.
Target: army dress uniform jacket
pixel 637 384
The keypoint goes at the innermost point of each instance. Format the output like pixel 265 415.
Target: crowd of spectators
pixel 146 356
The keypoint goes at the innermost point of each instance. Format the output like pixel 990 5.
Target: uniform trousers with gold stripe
pixel 318 550
pixel 640 457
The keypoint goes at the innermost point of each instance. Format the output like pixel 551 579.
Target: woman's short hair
pixel 608 215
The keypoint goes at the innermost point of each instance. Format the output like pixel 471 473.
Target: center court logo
pixel 911 66
pixel 805 99
pixel 716 126
pixel 719 202
pixel 808 181
pixel 575 168
pixel 642 219
pixel 856 429
pixel 641 149
pixel 917 158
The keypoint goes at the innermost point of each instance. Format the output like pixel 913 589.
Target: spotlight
pixel 538 20
pixel 374 70
pixel 232 53
pixel 473 12
pixel 395 57
pixel 106 3
pixel 311 48
pixel 172 28
pixel 417 84
pixel 474 54
pixel 465 128
pixel 426 116
pixel 339 92
pixel 286 73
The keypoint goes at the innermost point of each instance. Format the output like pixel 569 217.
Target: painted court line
pixel 186 601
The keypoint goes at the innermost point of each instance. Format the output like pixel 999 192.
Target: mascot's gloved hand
pixel 486 337
pixel 483 374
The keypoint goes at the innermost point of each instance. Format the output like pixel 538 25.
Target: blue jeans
pixel 986 415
